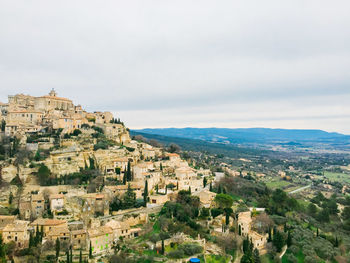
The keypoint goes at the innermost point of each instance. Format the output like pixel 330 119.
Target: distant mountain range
pixel 258 136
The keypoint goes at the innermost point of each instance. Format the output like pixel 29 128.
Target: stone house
pixel 244 221
pixel 78 238
pixel 37 203
pixel 17 232
pixel 158 199
pixel 61 232
pixel 56 202
pixel 101 239
pixel 25 209
pixel 49 224
pixel 206 198
pixel 5 220
pixel 94 203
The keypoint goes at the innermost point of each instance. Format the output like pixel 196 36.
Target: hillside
pixel 259 136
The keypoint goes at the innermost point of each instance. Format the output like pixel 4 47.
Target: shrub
pixel 176 254
pixel 191 249
pixel 76 132
pixel 215 212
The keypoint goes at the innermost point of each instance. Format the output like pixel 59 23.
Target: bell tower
pixel 53 93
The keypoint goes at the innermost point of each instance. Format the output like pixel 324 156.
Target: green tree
pixel 289 239
pixel 124 177
pixel 205 181
pixel 31 239
pixel 43 175
pixel 256 256
pixel 278 241
pixel 211 187
pixel 3 125
pixel 129 198
pixel 81 256
pixel 223 200
pixel 2 247
pixel 145 194
pixel 246 259
pixel 71 255
pixel 90 250
pixel 323 215
pixel 58 248
pixel 219 189
pixel 10 198
pixel 346 213
pixel 163 250
pixel 312 209
pixel 128 172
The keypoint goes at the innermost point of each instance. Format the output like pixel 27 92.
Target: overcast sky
pixel 234 63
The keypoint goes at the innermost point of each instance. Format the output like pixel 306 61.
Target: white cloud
pixel 185 63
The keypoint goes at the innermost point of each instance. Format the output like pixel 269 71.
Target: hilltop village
pixel 75 187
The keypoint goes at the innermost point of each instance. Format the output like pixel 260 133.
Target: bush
pixel 291 258
pixel 216 211
pixel 191 249
pixel 176 254
pixel 76 132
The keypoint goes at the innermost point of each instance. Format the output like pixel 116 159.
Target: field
pixel 277 183
pixel 339 177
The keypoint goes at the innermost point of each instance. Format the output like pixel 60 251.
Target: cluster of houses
pixel 73 215
pixel 27 114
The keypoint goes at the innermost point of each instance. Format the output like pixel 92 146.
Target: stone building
pixel 101 239
pixel 48 224
pixel 17 232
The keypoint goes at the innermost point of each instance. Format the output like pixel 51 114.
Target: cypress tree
pixel 156 189
pixel 124 177
pixel 224 190
pixel 336 242
pixel 90 251
pixel 145 194
pixel 189 189
pixel 31 239
pixel 128 173
pixel 163 249
pixel 67 254
pixel 289 239
pixel 219 189
pixel 227 218
pixel 239 230
pixel 37 236
pixel 317 232
pixel 81 256
pixel 41 233
pixel 210 187
pixel 71 254
pixel 269 239
pixel 2 247
pixel 10 198
pixel 256 256
pixel 205 181
pixel 58 247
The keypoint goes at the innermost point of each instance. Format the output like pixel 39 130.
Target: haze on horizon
pixel 233 64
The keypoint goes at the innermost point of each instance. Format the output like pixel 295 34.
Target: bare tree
pixel 262 223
